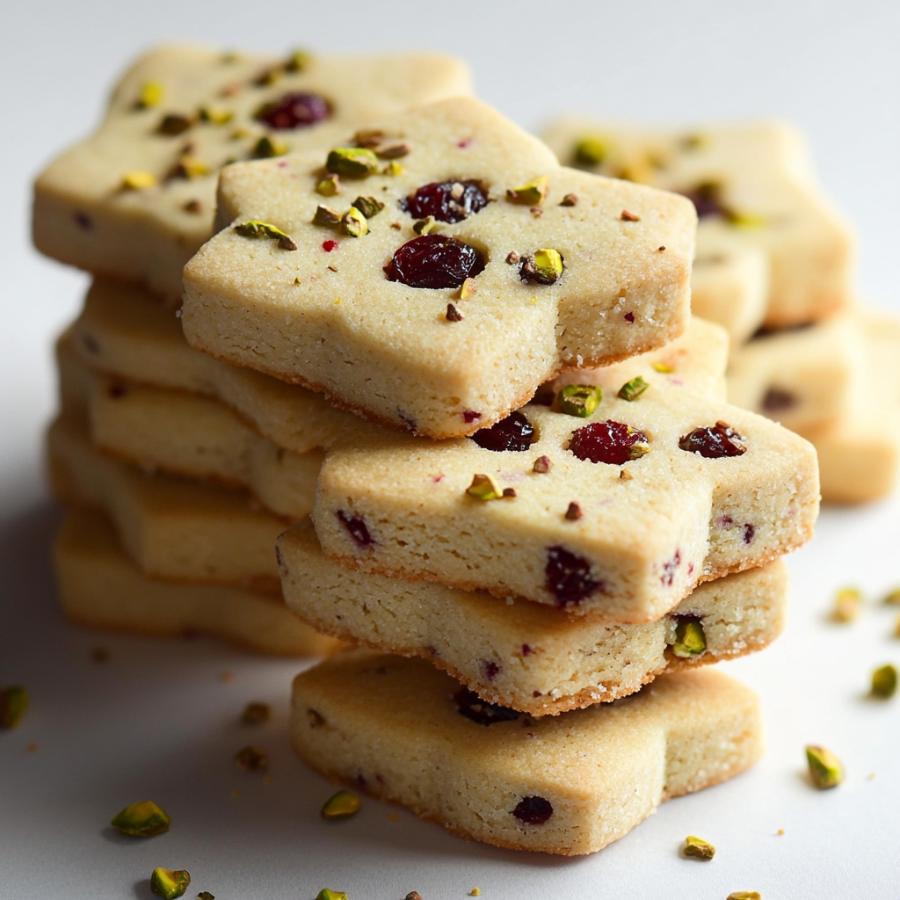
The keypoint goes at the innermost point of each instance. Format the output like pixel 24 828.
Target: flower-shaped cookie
pixel 135 199
pixel 432 273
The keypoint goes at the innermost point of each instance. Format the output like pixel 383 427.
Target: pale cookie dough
pixel 804 378
pixel 181 530
pixel 185 434
pixel 522 655
pixel 754 189
pixel 624 530
pixel 123 331
pixel 439 357
pixel 568 784
pixel 101 588
pixel 176 116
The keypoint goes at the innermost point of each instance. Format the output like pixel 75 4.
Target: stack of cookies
pixel 468 380
pixel 775 268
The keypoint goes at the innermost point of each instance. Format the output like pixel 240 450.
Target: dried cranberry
pixel 609 442
pixel 527 650
pixel 749 532
pixel 533 810
pixel 713 442
pixel 568 577
pixel 446 201
pixel 670 567
pixel 470 705
pixel 470 416
pixel 296 109
pixel 490 669
pixel 777 400
pixel 434 261
pixel 514 432
pixel 357 528
pixel 329 245
pixel 629 317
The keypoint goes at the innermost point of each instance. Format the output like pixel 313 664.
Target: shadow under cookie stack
pixel 457 385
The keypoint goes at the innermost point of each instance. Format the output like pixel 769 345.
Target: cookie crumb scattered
pixel 255 713
pixel 252 759
pixel 696 848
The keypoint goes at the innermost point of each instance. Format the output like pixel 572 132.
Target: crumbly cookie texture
pixel 125 332
pixel 487 269
pixel 181 530
pixel 569 784
pixel 616 511
pixel 754 191
pixel 100 587
pixel 187 435
pixel 136 198
pixel 805 378
pixel 522 655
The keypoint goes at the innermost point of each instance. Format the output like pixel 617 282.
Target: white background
pixel 157 721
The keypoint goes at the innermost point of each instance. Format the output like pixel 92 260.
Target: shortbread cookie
pixel 454 283
pixel 522 655
pixel 170 528
pixel 752 185
pixel 569 784
pixel 135 199
pixel 186 434
pixel 616 511
pixel 804 378
pixel 100 587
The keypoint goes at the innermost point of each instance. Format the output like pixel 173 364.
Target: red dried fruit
pixel 670 567
pixel 434 261
pixel 296 109
pixel 357 528
pixel 470 705
pixel 713 442
pixel 514 433
pixel 749 532
pixel 329 245
pixel 609 442
pixel 490 669
pixel 447 201
pixel 533 810
pixel 470 416
pixel 568 577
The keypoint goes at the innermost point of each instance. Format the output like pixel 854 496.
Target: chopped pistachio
pixel 569 200
pixel 328 894
pixel 847 601
pixel 393 151
pixel 169 883
pixel 150 95
pixel 190 167
pixel 413 895
pixel 633 388
pixel 466 289
pixel 545 266
pixel 573 512
pixel 206 895
pixel 252 759
pixel 512 258
pixel 482 488
pixel 354 224
pixel 254 228
pixel 744 895
pixel 192 206
pixel 172 124
pixel 825 769
pixel 215 115
pixel 368 206
pixel 696 848
pixel 578 399
pixel 239 133
pixel 138 180
pixel 351 162
pixel 393 168
pixel 475 892
pixel 297 60
pixel 341 805
pixel 328 186
pixel 892 597
pixel 267 147
pixel 268 76
pixel 590 151
pixel 542 465
pixel 13 705
pixel 255 713
pixel 884 681
pixel 690 639
pixel 368 137
pixel 426 225
pixel 141 819
pixel 453 314
pixel 326 217
pixel 531 193
pixel 663 368
pixel 897 627
pixel 745 220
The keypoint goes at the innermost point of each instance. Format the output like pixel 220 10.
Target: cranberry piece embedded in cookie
pixel 296 109
pixel 713 442
pixel 568 577
pixel 357 528
pixel 470 705
pixel 434 261
pixel 609 442
pixel 514 433
pixel 533 810
pixel 447 201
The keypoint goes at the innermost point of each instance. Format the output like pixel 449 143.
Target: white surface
pixel 157 721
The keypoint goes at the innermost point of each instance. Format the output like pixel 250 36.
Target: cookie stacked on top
pixel 775 267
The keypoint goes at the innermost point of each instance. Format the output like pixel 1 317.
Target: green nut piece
pixel 297 60
pixel 150 95
pixel 142 819
pixel 328 894
pixel 328 186
pixel 13 705
pixel 531 193
pixel 663 368
pixel 341 805
pixel 545 266
pixel 884 681
pixel 633 389
pixel 354 223
pixel 578 399
pixel 744 895
pixel 254 228
pixel 393 168
pixel 892 597
pixel 696 848
pixel 352 162
pixel 745 219
pixel 215 115
pixel 326 217
pixel 426 225
pixel 173 124
pixel 169 883
pixel 825 769
pixel 847 601
pixel 690 640
pixel 482 488
pixel 368 206
pixel 590 151
pixel 138 180
pixel 267 147
pixel 190 167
